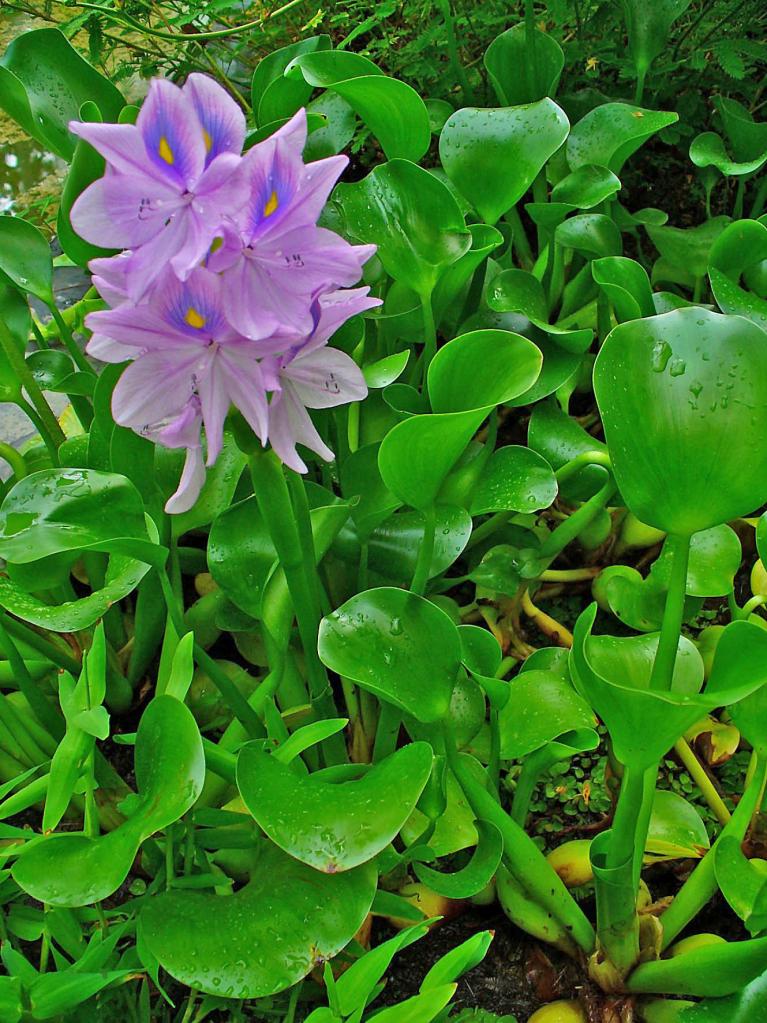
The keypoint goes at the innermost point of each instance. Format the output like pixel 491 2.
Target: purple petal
pixel 245 387
pixel 172 133
pixel 223 189
pixel 221 118
pixel 183 430
pixel 154 387
pixel 316 185
pixel 109 277
pixel 141 327
pixel 272 309
pixel 289 424
pixel 336 307
pixel 314 259
pixel 123 211
pixel 190 484
pixel 214 400
pixel 326 378
pixel 106 349
pixel 121 145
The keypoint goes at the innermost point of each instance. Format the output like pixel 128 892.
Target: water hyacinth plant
pixel 387 495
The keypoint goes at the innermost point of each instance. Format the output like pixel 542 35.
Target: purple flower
pixel 172 179
pixel 183 349
pixel 276 250
pixel 314 376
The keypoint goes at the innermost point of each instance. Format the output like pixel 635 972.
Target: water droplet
pixel 678 366
pixel 661 353
pixel 695 388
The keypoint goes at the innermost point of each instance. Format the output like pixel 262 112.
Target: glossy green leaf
pixel 332 827
pixel 613 675
pixel 743 1006
pixel 456 827
pixel 25 258
pixel 392 110
pixel 586 187
pixel 475 875
pixel 708 150
pixel 217 492
pixel 264 938
pixel 241 554
pixel 515 479
pixel 467 378
pixel 559 439
pixel 272 96
pixel 672 391
pixel 75 870
pixel 396 644
pixel 412 218
pixel 493 155
pixel 522 71
pixel 648 27
pixel 54 371
pixel 592 235
pixel 743 883
pixel 355 985
pixel 361 479
pixel 44 82
pixel 676 829
pixel 747 137
pixel 741 247
pixel 541 707
pixel 520 291
pixel 57 510
pixel 610 133
pixel 86 167
pixel 627 286
pixel 712 971
pixel 452 288
pixel 15 313
pixel 421 1008
pixel 687 249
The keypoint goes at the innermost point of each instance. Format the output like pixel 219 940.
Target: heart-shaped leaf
pixel 332 827
pixel 740 248
pixel 475 875
pixel 671 390
pixel 44 82
pixel 75 870
pixel 493 155
pixel 523 70
pixel 288 919
pixel 676 829
pixel 400 646
pixel 274 97
pixel 648 27
pixel 540 708
pixel 515 479
pixel 610 133
pixel 413 219
pixel 25 258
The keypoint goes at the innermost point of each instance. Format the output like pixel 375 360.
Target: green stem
pixel 69 342
pixel 487 528
pixel 521 855
pixel 14 460
pixel 673 613
pixel 23 374
pixel 229 691
pixel 700 886
pixel 452 48
pixel 531 63
pixel 639 91
pixel 387 731
pixel 44 646
pixel 574 524
pixel 274 503
pixel 429 333
pixel 41 707
pixel 519 238
pixel 700 776
pixel 425 551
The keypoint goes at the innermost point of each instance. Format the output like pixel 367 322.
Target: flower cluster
pixel 226 291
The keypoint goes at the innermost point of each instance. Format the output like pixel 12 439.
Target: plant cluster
pixel 281 629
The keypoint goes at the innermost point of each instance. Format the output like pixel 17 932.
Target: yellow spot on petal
pixel 216 244
pixel 166 153
pixel 271 205
pixel 194 319
pixel 208 141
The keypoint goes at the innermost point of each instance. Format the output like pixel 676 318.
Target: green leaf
pixel 57 510
pixel 648 27
pixel 592 235
pixel 523 71
pixel 274 97
pixel 743 1006
pixel 613 674
pixel 493 155
pixel 541 707
pixel 53 995
pixel 515 479
pixel 15 313
pixel 685 248
pixel 556 436
pixel 586 187
pixel 25 258
pixel 355 985
pixel 332 827
pixel 264 938
pixel 610 133
pixel 75 870
pixel 241 555
pixel 397 645
pixel 43 84
pixel 467 378
pixel 739 249
pixel 715 970
pixel 392 110
pixel 520 291
pixel 218 490
pixel 627 286
pixel 422 1008
pixel 672 391
pixel 86 167
pixel 412 218
pixel 743 883
pixel 54 371
pixel 676 829
pixel 708 150
pixel 476 875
